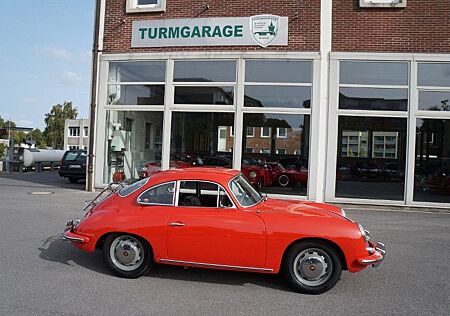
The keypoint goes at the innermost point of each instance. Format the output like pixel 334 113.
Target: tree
pixel 38 137
pixel 2 151
pixel 54 121
pixel 4 123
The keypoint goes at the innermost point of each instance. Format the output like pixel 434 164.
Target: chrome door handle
pixel 177 224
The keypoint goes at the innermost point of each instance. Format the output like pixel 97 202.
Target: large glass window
pixel 139 71
pixel 286 71
pixel 133 144
pixel 277 96
pixel 371 158
pixel 203 137
pixel 379 86
pixel 136 83
pixel 432 167
pixel 204 71
pixel 195 82
pixel 278 162
pixel 433 74
pixel 434 100
pixel 373 99
pixel 136 95
pixel 373 73
pixel 278 83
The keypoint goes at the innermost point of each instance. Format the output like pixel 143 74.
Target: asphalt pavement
pixel 40 274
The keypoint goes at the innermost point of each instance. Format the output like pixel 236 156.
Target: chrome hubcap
pixel 283 180
pixel 312 267
pixel 126 253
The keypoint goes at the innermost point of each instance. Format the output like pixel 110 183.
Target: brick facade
pixel 422 27
pixel 304 29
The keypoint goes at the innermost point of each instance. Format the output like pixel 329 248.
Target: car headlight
pixel 253 174
pixel 364 233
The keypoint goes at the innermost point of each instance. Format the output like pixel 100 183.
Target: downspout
pixel 93 105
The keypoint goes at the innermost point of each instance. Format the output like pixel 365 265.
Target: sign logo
pixel 264 28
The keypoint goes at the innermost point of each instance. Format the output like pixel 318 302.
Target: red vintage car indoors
pixel 153 167
pixel 213 218
pixel 287 176
pixel 252 170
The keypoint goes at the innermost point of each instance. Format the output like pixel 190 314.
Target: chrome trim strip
pixel 367 261
pixel 216 265
pixel 75 239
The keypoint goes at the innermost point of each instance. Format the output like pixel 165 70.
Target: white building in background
pixel 76 134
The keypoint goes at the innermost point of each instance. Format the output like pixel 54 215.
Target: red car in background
pixel 213 218
pixel 287 177
pixel 256 173
pixel 154 167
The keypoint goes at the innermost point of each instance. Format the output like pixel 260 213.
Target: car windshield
pixel 75 155
pixel 244 192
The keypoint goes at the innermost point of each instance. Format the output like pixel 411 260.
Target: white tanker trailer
pixel 42 157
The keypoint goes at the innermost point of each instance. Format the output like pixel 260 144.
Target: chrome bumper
pixel 377 254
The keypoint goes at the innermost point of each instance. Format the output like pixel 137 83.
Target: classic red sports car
pixel 214 218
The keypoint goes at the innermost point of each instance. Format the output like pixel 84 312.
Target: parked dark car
pixel 73 165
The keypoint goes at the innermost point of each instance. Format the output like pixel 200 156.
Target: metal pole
pixel 93 105
pixel 10 149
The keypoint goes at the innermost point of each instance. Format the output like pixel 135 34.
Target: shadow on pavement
pixel 46 178
pixel 55 249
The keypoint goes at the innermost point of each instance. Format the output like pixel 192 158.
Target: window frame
pixel 72 133
pixel 219 187
pixel 262 132
pixel 133 6
pixel 154 187
pixel 278 132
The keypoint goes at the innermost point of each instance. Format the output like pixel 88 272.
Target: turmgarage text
pixel 196 31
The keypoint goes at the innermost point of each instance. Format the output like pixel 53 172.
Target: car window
pixel 244 192
pixel 71 156
pixel 75 156
pixel 203 194
pixel 162 194
pixel 132 187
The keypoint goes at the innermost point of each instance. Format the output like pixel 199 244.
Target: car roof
pixel 220 175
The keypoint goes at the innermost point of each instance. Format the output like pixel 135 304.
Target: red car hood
pixel 303 208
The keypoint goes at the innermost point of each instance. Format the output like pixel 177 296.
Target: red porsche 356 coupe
pixel 214 218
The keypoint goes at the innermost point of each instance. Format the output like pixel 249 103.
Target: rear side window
pixel 162 194
pixel 132 187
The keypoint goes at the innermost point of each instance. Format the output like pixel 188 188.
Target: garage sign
pixel 262 30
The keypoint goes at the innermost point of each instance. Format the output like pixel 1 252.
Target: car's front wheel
pixel 312 267
pixel 127 256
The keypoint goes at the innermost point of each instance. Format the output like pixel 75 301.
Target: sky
pixel 45 58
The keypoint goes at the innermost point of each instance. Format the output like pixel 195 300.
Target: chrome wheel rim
pixel 126 253
pixel 283 180
pixel 313 267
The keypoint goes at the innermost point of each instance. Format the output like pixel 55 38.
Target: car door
pixel 205 227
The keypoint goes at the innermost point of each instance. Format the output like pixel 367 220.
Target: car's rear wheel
pixel 73 180
pixel 283 180
pixel 312 267
pixel 127 256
